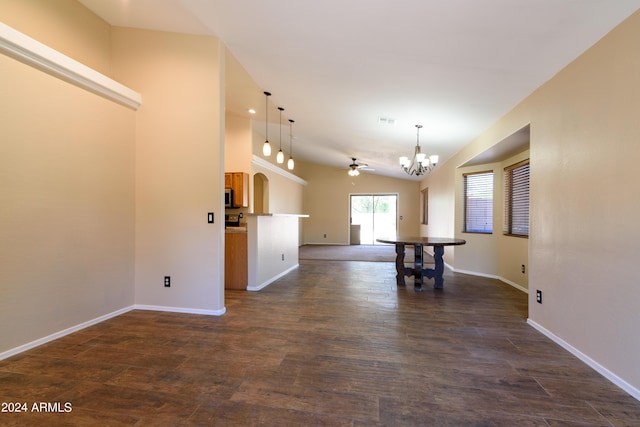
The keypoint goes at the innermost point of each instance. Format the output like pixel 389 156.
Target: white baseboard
pixel 493 276
pixel 634 392
pixel 271 280
pixel 181 310
pixel 60 334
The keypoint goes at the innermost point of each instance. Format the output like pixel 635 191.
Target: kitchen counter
pixel 235 229
pixel 273 247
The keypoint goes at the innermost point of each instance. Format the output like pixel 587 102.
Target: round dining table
pixel 417 271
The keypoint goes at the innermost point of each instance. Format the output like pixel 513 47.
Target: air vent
pixel 386 121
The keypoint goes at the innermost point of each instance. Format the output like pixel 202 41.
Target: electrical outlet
pixel 283 257
pixel 325 236
pixel 167 281
pixel 539 296
pixel 523 269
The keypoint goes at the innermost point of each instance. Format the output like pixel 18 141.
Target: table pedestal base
pixel 417 271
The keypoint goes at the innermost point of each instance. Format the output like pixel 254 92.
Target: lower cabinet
pixel 235 261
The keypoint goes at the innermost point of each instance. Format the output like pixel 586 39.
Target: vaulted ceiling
pixel 338 67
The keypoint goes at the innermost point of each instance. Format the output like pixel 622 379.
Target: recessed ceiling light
pixel 387 121
pixel 252 111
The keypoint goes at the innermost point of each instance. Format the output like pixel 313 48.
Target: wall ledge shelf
pixel 38 55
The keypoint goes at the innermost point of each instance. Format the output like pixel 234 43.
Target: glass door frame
pixel 395 197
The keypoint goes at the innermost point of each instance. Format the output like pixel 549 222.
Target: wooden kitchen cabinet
pixel 239 183
pixel 235 261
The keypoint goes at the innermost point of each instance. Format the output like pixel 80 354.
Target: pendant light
pixel 280 156
pixel 266 148
pixel 290 161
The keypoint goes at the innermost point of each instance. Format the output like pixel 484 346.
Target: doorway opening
pixel 375 214
pixel 260 193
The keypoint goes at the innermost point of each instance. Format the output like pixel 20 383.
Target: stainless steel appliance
pixel 232 220
pixel 228 198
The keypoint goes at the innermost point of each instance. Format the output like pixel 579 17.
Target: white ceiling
pixel 336 66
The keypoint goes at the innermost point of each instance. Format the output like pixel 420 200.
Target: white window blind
pixel 478 202
pixel 516 199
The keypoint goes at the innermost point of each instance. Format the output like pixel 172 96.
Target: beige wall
pixel 179 165
pixel 237 149
pixel 66 185
pixel 326 201
pixel 100 202
pixel 585 201
pixel 64 25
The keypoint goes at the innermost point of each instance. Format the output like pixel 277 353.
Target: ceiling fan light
pixel 354 172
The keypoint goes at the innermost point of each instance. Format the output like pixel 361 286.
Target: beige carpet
pixel 374 253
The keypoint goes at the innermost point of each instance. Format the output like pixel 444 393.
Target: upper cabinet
pixel 239 183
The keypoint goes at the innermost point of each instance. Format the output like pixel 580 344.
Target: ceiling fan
pixel 354 168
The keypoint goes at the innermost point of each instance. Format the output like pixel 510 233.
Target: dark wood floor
pixel 331 344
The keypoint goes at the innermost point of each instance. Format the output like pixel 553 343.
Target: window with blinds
pixel 516 199
pixel 478 202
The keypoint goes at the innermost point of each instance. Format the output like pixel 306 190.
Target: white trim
pixel 634 392
pixel 181 310
pixel 273 279
pixel 493 276
pixel 259 161
pixel 515 285
pixel 31 52
pixel 60 334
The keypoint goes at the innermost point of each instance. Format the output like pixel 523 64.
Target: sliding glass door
pixel 376 214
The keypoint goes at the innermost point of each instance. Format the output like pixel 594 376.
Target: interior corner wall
pixel 179 166
pixel 326 201
pixel 584 201
pixel 67 205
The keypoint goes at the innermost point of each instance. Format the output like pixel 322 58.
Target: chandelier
pixel 420 164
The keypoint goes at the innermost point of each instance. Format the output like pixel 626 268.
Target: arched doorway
pixel 260 193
